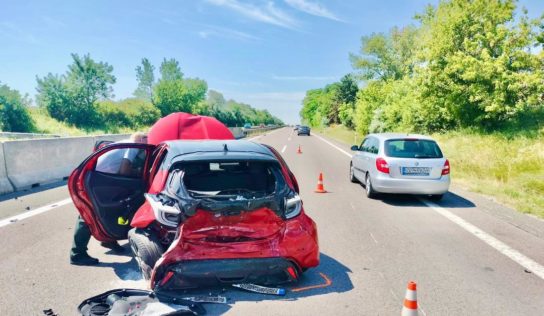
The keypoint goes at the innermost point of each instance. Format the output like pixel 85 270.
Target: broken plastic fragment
pixel 260 289
pixel 207 299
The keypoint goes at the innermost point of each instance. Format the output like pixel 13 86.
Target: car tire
pixel 436 197
pixel 146 248
pixel 352 177
pixel 370 193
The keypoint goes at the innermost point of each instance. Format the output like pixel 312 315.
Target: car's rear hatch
pixel 414 158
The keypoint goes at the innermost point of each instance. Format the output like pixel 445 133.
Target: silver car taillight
pixel 293 206
pixel 165 214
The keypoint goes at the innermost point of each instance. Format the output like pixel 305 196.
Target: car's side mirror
pixel 355 148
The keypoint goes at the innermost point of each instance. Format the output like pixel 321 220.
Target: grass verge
pixel 508 168
pixel 47 125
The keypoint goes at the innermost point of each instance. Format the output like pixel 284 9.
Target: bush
pixel 131 113
pixel 14 116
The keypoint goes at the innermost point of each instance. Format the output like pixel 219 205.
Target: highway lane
pixel 370 250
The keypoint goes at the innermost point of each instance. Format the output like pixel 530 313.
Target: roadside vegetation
pixel 80 101
pixel 468 72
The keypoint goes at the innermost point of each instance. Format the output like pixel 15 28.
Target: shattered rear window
pixel 228 179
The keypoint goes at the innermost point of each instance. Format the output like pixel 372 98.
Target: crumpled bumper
pixel 274 260
pixel 219 272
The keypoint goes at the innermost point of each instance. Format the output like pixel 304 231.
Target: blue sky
pixel 265 53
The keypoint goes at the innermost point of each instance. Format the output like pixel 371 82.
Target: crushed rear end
pixel 242 223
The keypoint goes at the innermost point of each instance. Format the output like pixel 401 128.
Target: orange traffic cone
pixel 299 151
pixel 320 188
pixel 410 300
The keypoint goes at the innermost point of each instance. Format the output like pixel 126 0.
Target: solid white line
pixel 39 210
pixel 333 145
pixel 373 237
pixel 501 247
pixel 283 149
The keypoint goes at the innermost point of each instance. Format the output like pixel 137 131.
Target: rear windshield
pixel 412 148
pixel 232 179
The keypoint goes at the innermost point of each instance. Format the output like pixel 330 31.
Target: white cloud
pixel 266 14
pixel 313 8
pixel 212 30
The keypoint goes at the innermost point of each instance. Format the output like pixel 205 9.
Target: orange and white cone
pixel 299 151
pixel 320 188
pixel 410 300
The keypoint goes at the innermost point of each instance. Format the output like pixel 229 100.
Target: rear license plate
pixel 415 171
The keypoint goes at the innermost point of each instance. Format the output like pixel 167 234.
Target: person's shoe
pixel 114 246
pixel 83 260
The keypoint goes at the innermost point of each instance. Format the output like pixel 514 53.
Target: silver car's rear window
pixel 412 148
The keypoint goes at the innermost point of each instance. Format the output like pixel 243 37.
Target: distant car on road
pixel 400 163
pixel 247 126
pixel 303 130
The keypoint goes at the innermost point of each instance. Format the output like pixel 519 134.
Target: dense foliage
pixel 73 97
pixel 82 97
pixel 467 64
pixel 14 116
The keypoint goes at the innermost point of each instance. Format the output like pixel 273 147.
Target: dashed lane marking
pixel 372 236
pixel 39 210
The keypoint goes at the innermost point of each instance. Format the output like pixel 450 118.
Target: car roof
pixel 182 149
pixel 387 136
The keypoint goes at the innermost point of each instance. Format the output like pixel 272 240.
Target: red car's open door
pixel 108 187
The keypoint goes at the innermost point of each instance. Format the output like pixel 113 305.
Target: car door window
pixel 373 146
pixel 128 162
pixel 364 145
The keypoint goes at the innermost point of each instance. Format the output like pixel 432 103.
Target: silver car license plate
pixel 415 171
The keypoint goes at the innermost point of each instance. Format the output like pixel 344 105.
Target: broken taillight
pixel 293 206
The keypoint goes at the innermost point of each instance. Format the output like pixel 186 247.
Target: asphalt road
pixel 468 255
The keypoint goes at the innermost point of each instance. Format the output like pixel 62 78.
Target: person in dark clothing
pixel 82 236
pixel 82 233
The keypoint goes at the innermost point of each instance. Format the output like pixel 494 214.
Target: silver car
pixel 400 163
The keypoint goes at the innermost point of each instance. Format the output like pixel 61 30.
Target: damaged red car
pixel 199 213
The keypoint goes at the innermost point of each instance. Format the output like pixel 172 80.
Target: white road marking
pixel 39 210
pixel 283 149
pixel 501 247
pixel 373 237
pixel 333 145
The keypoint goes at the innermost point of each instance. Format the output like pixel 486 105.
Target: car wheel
pixel 352 174
pixel 146 248
pixel 436 197
pixel 370 193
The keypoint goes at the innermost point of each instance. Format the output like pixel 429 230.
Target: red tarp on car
pixel 187 126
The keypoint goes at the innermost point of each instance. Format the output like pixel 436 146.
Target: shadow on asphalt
pixel 450 200
pixel 30 191
pixel 126 271
pixel 311 283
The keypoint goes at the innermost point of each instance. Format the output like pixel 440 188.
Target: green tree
pixel 14 116
pixel 386 56
pixel 73 97
pixel 146 79
pixel 480 67
pixel 170 70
